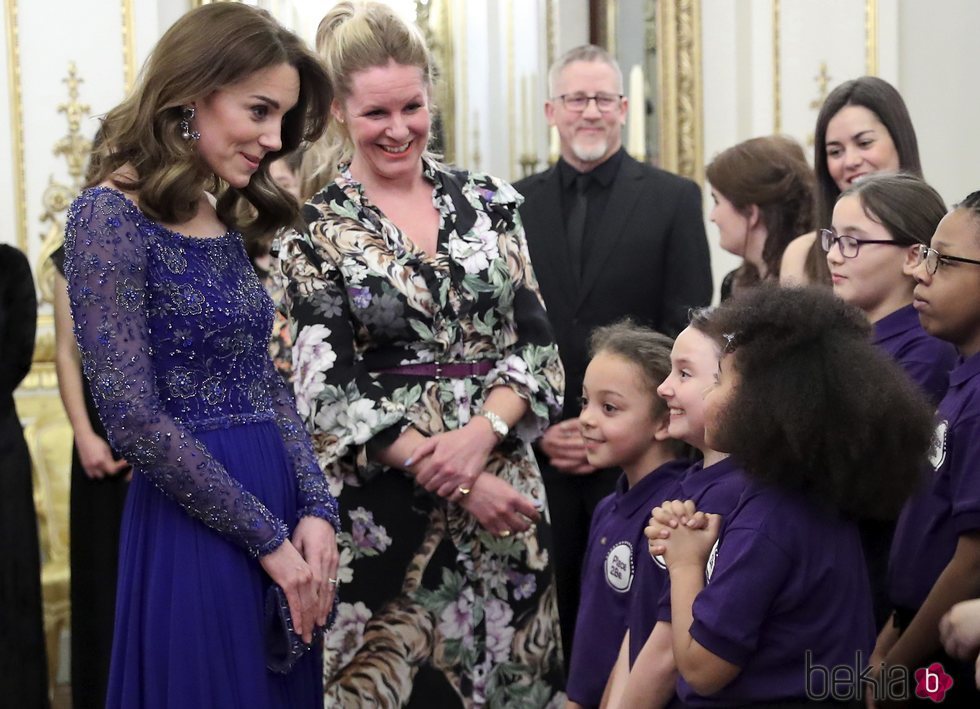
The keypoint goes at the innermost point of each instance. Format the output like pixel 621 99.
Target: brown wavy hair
pixel 772 173
pixel 210 47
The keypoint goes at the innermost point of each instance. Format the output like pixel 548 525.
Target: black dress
pixel 23 667
pixel 96 513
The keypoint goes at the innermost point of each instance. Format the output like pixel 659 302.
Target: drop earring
pixel 187 115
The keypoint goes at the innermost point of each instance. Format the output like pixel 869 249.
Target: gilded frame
pixel 672 34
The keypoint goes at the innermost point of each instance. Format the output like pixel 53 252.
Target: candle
pixel 554 146
pixel 636 138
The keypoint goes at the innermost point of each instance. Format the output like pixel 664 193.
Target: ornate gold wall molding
pixel 74 148
pixel 679 87
pixel 435 19
pixel 551 32
pixel 871 37
pixel 870 58
pixel 16 122
pixel 129 45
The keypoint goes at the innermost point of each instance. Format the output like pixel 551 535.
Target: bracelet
pixel 497 423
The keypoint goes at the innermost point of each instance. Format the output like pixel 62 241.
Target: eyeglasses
pixel 849 245
pixel 579 102
pixel 933 258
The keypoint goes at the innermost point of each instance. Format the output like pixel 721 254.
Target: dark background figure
pixel 23 664
pixel 609 238
pixel 99 481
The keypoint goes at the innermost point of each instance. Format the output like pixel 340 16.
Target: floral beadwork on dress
pixel 173 332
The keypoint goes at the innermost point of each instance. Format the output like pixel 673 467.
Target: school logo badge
pixel 937 450
pixel 710 566
pixel 619 567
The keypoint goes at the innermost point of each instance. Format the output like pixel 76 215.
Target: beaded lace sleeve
pixel 106 269
pixel 314 496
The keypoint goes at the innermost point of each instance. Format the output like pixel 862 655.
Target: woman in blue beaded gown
pixel 173 328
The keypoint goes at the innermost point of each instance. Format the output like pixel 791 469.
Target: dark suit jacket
pixel 650 262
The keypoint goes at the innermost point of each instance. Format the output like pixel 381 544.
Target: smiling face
pixel 241 123
pixel 588 138
pixel 694 369
pixel 858 144
pixel 618 416
pixel 387 116
pixel 875 280
pixel 949 300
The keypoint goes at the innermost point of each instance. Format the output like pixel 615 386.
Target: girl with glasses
pixel 878 227
pixel 936 553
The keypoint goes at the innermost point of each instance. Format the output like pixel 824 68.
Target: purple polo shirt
pixel 933 520
pixel 788 587
pixel 927 359
pixel 611 577
pixel 715 489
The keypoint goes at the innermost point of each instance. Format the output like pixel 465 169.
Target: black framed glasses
pixel 933 258
pixel 849 245
pixel 578 102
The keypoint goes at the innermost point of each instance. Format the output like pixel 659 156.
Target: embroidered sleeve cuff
pixel 277 540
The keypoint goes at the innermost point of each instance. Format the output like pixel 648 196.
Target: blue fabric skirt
pixel 188 628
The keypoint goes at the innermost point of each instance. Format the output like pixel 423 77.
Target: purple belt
pixel 442 370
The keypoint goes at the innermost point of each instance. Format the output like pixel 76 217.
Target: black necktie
pixel 576 223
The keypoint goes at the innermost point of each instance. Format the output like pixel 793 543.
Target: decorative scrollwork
pixel 75 149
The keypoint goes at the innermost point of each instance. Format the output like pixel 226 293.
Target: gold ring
pixel 505 533
pixel 332 581
pixel 464 491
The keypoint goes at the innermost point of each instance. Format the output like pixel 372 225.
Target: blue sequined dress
pixel 174 333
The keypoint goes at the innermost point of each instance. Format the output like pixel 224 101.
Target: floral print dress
pixel 434 610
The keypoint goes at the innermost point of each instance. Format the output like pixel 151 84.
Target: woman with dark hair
pixel 227 499
pixel 829 432
pixel 863 127
pixel 763 194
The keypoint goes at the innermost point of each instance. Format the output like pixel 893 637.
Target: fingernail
pixel 408 462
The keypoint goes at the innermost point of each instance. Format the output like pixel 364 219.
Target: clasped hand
pixel 306 569
pixel 450 463
pixel 681 533
pixel 447 463
pixel 565 448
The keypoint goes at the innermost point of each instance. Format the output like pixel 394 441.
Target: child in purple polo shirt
pixel 878 226
pixel 828 431
pixel 645 672
pixel 624 424
pixel 935 559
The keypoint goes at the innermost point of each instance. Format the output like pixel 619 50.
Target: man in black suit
pixel 609 238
